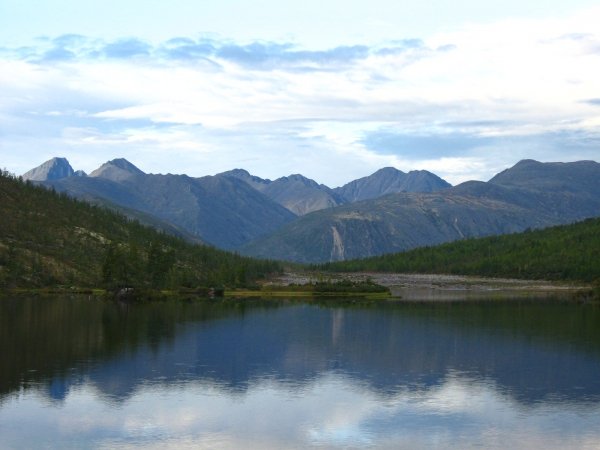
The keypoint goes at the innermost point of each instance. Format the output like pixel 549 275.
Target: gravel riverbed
pixel 445 287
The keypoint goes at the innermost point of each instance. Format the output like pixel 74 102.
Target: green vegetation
pixel 568 252
pixel 329 288
pixel 49 239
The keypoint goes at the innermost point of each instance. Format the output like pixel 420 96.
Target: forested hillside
pixel 568 252
pixel 50 239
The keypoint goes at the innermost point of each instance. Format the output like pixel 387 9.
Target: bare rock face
pixel 390 181
pixel 298 194
pixel 54 169
pixel 117 170
pixel 302 195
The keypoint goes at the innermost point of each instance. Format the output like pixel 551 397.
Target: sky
pixel 330 89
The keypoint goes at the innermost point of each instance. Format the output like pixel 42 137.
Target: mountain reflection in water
pixel 273 374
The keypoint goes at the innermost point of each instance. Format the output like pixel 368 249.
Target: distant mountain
pixel 297 193
pixel 222 211
pixel 236 210
pixel 389 224
pixel 529 195
pixel 117 170
pixel 54 169
pixel 256 182
pixel 576 177
pixel 388 181
pixel 562 191
pixel 302 195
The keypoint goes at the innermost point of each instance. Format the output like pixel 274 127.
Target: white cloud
pixel 526 78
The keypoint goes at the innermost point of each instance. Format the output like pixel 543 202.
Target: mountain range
pixel 295 218
pixel 222 211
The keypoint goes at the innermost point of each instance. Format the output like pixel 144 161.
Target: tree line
pixel 566 252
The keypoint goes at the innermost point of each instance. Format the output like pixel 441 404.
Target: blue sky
pixel 330 89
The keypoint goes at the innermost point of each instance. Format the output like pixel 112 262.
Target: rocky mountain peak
pixel 387 171
pixel 237 173
pixel 298 178
pixel 242 174
pixel 53 169
pixel 550 176
pixel 390 180
pixel 122 163
pixel 117 170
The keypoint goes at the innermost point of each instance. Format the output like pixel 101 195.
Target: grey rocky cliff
pixel 53 169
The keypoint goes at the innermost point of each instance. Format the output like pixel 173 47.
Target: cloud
pixel 58 54
pixel 466 103
pixel 66 47
pixel 183 48
pixel 258 55
pixel 127 48
pixel 265 55
pixel 424 146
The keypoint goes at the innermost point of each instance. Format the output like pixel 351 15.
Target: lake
pixel 84 373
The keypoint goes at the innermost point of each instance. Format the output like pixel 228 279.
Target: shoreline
pixel 402 286
pixel 441 287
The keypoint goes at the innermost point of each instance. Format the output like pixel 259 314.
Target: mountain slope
pixel 256 182
pixel 567 252
pixel 222 211
pixel 49 239
pixel 506 204
pixel 296 193
pixel 392 223
pixel 390 180
pixel 302 195
pixel 117 170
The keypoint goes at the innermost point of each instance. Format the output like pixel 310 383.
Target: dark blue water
pixel 80 373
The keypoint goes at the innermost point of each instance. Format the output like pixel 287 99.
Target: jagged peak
pixel 296 177
pixel 59 160
pixel 527 162
pixel 237 171
pixel 387 171
pixel 122 163
pixel 244 175
pixel 53 169
pixel 117 169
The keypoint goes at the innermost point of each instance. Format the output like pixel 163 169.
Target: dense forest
pixel 568 252
pixel 49 239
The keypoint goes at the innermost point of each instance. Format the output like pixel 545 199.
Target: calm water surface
pixel 80 373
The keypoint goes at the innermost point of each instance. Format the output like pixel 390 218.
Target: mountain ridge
pixel 389 180
pixel 220 211
pixel 295 218
pixel 117 170
pixel 508 203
